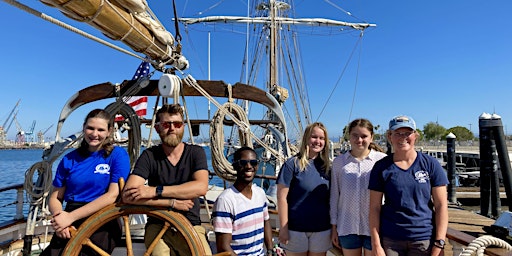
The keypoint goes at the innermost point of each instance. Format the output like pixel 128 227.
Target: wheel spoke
pixel 128 235
pixel 97 249
pixel 157 238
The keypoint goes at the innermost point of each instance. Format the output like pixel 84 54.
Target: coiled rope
pixel 35 192
pixel 220 164
pixel 479 244
pixel 189 80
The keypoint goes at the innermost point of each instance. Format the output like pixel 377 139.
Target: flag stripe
pixel 138 103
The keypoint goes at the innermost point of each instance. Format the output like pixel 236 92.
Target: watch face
pixel 439 243
pixel 159 190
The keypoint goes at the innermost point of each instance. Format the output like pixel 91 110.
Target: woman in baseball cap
pixel 406 224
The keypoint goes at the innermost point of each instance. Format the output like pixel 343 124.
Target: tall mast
pixel 273 47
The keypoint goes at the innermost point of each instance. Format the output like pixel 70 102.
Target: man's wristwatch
pixel 439 243
pixel 159 190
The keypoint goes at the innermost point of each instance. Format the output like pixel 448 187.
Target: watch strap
pixel 159 191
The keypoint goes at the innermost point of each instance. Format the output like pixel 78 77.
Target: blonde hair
pixel 303 156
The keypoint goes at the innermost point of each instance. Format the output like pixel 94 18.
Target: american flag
pixel 138 103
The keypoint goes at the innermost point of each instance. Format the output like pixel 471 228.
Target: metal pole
pixel 495 181
pixel 450 165
pixel 484 124
pixel 504 160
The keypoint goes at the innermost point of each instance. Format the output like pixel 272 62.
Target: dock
pixel 464 227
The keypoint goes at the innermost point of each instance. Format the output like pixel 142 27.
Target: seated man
pixel 177 175
pixel 240 214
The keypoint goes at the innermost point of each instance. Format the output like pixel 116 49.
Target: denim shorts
pixel 308 241
pixel 354 241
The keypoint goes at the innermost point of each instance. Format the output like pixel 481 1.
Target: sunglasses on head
pixel 168 124
pixel 253 162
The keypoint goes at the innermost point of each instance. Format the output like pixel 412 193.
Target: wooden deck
pixel 465 226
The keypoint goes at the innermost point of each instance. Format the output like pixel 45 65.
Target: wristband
pixel 171 202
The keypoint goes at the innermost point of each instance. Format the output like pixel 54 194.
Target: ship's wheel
pixel 81 236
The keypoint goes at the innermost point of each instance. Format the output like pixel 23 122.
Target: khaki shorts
pixel 172 242
pixel 308 241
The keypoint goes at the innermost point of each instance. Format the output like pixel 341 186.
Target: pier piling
pixel 450 165
pixel 493 150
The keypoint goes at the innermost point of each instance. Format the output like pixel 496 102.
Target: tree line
pixel 432 131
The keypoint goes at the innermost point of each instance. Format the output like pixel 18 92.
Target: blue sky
pixel 444 61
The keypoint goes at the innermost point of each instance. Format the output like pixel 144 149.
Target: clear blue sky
pixel 444 61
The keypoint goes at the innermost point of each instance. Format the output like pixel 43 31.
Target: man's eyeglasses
pixel 253 162
pixel 401 134
pixel 167 124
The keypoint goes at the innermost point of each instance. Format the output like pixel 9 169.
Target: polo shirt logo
pixel 102 169
pixel 421 176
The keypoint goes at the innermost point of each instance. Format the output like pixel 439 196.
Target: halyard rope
pixel 75 30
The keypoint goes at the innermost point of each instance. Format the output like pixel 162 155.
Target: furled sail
pixel 128 21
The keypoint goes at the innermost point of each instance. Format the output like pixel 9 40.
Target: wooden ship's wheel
pixel 81 236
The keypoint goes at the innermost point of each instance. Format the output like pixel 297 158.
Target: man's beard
pixel 171 141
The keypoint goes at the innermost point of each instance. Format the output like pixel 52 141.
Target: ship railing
pixel 19 200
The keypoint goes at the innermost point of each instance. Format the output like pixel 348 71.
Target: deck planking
pixel 464 226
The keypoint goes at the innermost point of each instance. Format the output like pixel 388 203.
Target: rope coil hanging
pixel 37 193
pixel 190 81
pixel 220 164
pixel 477 246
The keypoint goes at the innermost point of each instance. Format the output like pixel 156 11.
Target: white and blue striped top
pixel 242 217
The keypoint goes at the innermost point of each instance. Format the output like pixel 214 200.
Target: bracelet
pixel 171 202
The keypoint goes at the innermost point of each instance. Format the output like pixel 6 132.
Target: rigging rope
pixel 75 30
pixel 479 244
pixel 38 192
pixel 243 126
pixel 342 74
pixel 221 165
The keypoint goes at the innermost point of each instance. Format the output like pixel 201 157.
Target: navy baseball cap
pixel 402 121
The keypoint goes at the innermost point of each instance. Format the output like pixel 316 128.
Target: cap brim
pixel 398 126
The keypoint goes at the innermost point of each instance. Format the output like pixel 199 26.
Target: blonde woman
pixel 303 196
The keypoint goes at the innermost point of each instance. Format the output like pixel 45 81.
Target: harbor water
pixel 15 162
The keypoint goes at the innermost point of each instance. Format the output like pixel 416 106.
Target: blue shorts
pixel 308 241
pixel 354 241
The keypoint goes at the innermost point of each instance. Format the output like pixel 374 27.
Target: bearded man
pixel 177 175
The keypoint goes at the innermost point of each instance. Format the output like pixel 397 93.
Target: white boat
pixel 277 98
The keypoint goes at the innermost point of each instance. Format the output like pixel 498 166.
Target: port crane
pixel 40 134
pixel 20 135
pixel 29 135
pixel 3 129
